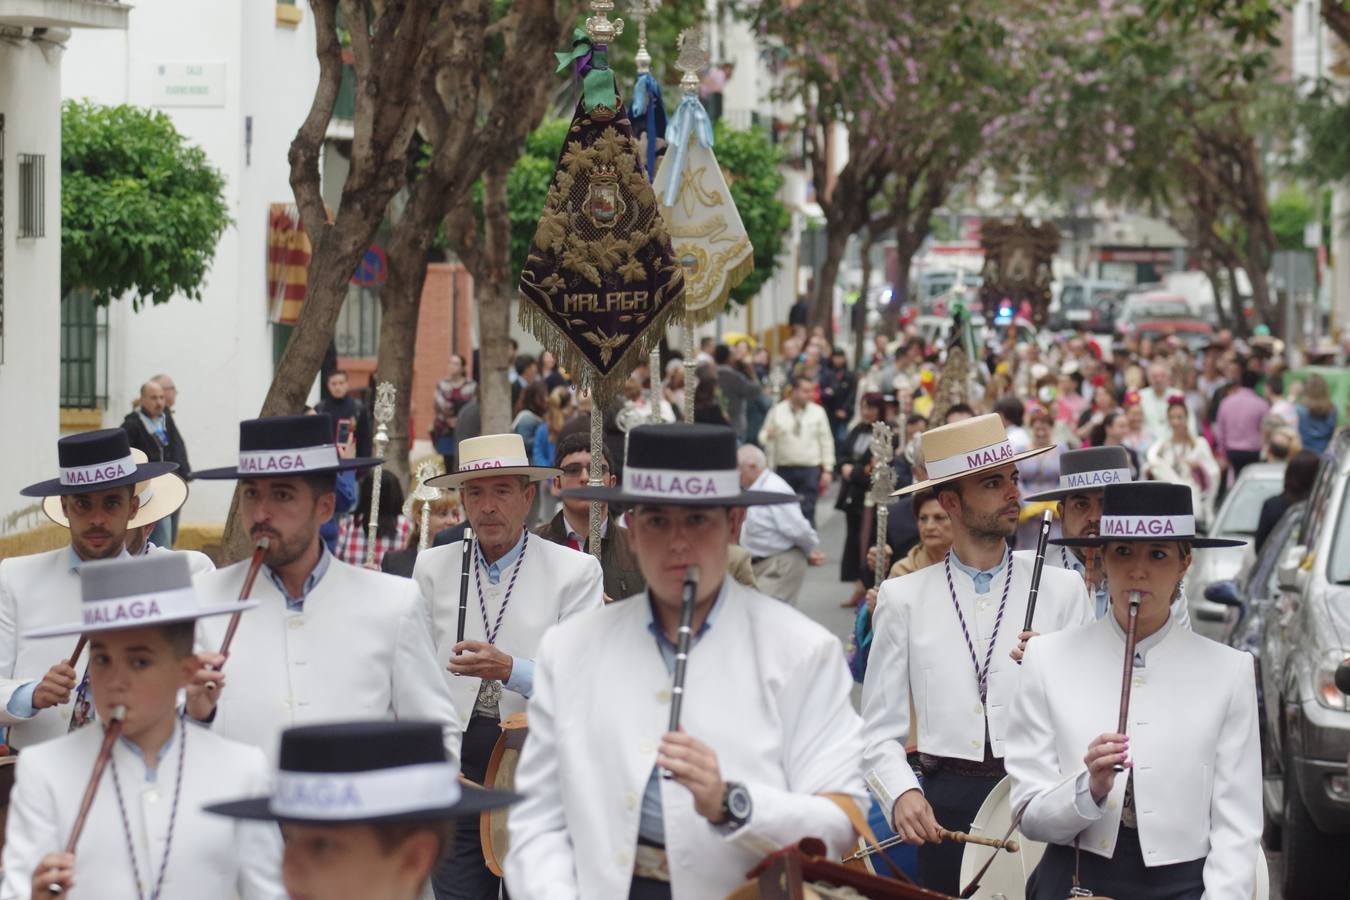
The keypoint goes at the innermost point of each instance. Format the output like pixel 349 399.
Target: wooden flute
pixel 464 583
pixel 683 639
pixel 110 733
pixel 1127 679
pixel 958 837
pixel 254 567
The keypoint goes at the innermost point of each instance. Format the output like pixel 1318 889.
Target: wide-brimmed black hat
pixel 681 465
pixel 138 592
pixel 1089 469
pixel 287 445
pixel 368 772
pixel 95 461
pixel 1147 511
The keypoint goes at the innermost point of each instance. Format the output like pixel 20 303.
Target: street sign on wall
pixel 187 84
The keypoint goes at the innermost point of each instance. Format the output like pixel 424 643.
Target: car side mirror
pixel 1224 592
pixel 1292 575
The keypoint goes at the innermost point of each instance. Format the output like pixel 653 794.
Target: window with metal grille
pixel 358 325
pixel 32 201
pixel 84 352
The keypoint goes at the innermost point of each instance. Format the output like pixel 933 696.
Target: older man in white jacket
pixel 767 748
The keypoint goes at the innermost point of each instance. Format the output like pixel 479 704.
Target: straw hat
pixel 160 496
pixel 490 456
pixel 965 448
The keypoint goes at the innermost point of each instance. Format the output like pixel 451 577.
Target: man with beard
pixel 97 491
pixel 944 637
pixel 328 640
pixel 1083 477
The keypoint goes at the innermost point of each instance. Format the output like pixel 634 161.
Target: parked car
pixel 1158 313
pixel 1086 304
pixel 1305 645
pixel 1237 518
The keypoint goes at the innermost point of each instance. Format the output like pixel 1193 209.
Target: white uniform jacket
pixel 1063 558
pixel 918 648
pixel 36 591
pixel 360 649
pixel 1193 743
pixel 555 582
pixel 199 563
pixel 210 857
pixel 766 689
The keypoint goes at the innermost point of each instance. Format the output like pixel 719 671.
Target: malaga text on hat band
pixel 493 462
pixel 98 473
pixel 970 459
pixel 681 483
pixel 1163 527
pixel 1094 479
pixel 364 795
pixel 279 462
pixel 177 603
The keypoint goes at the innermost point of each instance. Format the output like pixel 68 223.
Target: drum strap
pixel 859 823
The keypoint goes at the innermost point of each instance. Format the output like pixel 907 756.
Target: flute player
pixel 943 638
pixel 1184 818
pixel 768 746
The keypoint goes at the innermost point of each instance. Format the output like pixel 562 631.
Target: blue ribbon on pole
pixel 647 102
pixel 690 118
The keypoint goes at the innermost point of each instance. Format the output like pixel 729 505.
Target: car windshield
pixel 1338 561
pixel 1073 297
pixel 1242 510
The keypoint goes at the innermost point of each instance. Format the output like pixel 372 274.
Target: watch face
pixel 738 802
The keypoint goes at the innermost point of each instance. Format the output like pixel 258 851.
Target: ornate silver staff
pixel 428 495
pixel 654 366
pixel 693 58
pixel 384 414
pixel 883 483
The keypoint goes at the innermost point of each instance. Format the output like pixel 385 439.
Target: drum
pixel 1007 876
pixel 501 774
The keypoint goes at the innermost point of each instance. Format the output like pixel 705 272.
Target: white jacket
pixel 918 648
pixel 210 858
pixel 766 689
pixel 361 649
pixel 1193 742
pixel 36 591
pixel 555 582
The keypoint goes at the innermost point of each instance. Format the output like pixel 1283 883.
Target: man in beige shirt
pixel 797 439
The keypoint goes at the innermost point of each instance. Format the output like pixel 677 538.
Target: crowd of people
pixel 341 689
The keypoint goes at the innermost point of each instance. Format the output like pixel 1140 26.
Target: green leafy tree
pixel 141 209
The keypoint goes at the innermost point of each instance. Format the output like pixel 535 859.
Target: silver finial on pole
pixel 602 31
pixel 427 495
pixel 693 58
pixel 641 10
pixel 883 483
pixel 383 411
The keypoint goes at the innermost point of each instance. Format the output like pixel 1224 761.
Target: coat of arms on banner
pixel 600 281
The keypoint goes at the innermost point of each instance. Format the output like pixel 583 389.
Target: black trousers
pixel 956 800
pixel 1123 875
pixel 463 875
pixel 805 481
pixel 649 889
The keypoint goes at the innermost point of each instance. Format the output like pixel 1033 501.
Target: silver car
pixel 1237 518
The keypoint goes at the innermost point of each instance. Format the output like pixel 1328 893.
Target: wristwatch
pixel 736 805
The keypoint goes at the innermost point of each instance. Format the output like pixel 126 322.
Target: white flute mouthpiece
pixel 263 543
pixel 119 712
pixel 1136 598
pixel 468 535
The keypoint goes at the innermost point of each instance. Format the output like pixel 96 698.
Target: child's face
pixel 137 668
pixel 348 862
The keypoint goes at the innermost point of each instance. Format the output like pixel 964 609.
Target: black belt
pixel 989 767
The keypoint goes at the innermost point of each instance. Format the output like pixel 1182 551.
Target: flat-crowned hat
pixel 140 592
pixel 1088 469
pixel 1147 511
pixel 287 445
pixel 681 465
pixel 95 461
pixel 369 772
pixel 966 447
pixel 159 497
pixel 490 456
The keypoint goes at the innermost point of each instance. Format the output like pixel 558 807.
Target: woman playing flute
pixel 1183 817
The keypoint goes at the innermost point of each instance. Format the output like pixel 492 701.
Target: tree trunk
pixel 860 310
pixel 1235 299
pixel 1256 274
pixel 1215 284
pixel 495 288
pixel 822 305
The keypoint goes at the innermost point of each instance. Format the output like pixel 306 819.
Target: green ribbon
pixel 592 65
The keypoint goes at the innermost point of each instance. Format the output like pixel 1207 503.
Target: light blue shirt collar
pixel 311 582
pixel 495 569
pixel 73 561
pixel 151 772
pixel 1143 645
pixel 664 643
pixel 983 578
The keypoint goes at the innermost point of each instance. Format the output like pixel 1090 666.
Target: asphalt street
pixel 823 592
